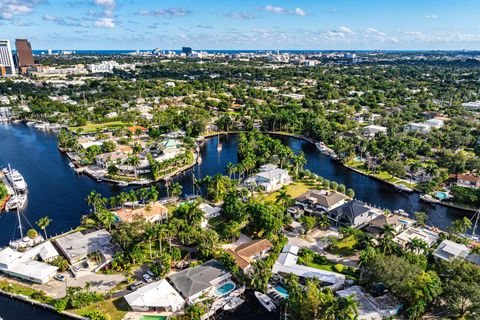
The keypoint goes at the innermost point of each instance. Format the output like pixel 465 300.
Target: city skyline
pixel 347 25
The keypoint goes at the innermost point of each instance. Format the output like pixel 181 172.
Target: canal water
pixel 55 190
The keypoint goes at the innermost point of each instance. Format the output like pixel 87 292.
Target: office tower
pixel 7 67
pixel 24 55
pixel 187 50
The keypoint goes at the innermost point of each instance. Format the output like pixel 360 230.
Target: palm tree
pixel 283 197
pixel 176 190
pixel 417 245
pixel 134 161
pixel 432 170
pixel 230 167
pixel 153 193
pixel 43 224
pixel 347 308
pixel 94 199
pixel 323 222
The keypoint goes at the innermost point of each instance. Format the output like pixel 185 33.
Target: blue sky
pixel 243 24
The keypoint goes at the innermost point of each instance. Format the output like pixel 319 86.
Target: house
pixel 203 280
pixel 249 252
pixel 472 105
pixel 320 199
pixel 430 237
pixel 296 211
pixel 29 265
pixel 464 180
pixel 435 123
pixel 209 212
pixel 76 246
pixel 372 130
pixel 152 212
pixel 353 214
pixel 156 296
pixel 134 129
pixel 105 159
pixel 370 308
pixel 449 250
pixel 270 178
pixel 287 264
pixel 398 223
pixel 417 127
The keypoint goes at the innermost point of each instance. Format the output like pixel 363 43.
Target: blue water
pixel 282 291
pixel 441 195
pixel 224 289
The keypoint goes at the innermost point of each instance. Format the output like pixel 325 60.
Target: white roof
pixel 271 174
pixel 290 249
pixel 449 249
pixel 158 294
pixel 208 209
pixel 9 256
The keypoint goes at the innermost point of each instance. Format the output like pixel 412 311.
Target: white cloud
pixel 282 10
pixel 166 13
pixel 11 8
pixel 431 17
pixel 65 21
pixel 375 32
pixel 345 29
pixel 110 4
pixel 241 15
pixel 105 23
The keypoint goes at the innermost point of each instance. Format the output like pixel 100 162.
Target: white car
pixel 147 278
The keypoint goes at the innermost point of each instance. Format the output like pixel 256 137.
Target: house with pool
pixel 208 280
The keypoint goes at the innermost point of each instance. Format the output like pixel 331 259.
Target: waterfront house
pixel 449 250
pixel 428 236
pixel 209 212
pixel 464 180
pixel 369 307
pixel 29 265
pixel 287 264
pixel 152 212
pixel 155 296
pixel 77 246
pixel 201 281
pixel 398 223
pixel 270 178
pixel 249 252
pixel 105 159
pixel 353 214
pixel 296 211
pixel 320 199
pixel 371 130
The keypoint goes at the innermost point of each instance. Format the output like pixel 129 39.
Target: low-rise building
pixel 249 252
pixel 106 159
pixel 372 130
pixel 398 223
pixel 320 199
pixel 464 180
pixel 201 281
pixel 353 214
pixel 449 250
pixel 156 296
pixel 428 236
pixel 270 178
pixel 417 127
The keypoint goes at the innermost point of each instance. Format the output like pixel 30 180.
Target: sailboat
pixel 474 236
pixel 219 144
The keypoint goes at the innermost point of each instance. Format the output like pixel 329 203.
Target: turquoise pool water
pixel 282 291
pixel 153 318
pixel 225 289
pixel 441 195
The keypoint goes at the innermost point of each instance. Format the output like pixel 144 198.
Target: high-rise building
pixel 187 50
pixel 24 56
pixel 7 68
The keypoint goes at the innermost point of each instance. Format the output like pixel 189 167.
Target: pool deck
pixel 135 315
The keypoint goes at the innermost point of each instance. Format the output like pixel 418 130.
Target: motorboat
pixel 71 165
pixel 265 300
pixel 15 179
pixel 233 304
pixel 41 126
pixel 402 187
pixel 401 212
pixel 238 292
pixel 122 184
pixel 17 201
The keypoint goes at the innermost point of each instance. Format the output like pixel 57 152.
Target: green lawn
pixel 23 290
pixel 345 247
pixel 293 190
pixel 92 127
pixel 116 308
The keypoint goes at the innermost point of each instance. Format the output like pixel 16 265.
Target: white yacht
pixel 17 201
pixel 15 179
pixel 265 301
pixel 233 304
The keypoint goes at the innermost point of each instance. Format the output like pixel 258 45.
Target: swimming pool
pixel 282 291
pixel 441 195
pixel 225 289
pixel 153 318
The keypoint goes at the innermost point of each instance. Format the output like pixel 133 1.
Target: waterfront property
pixel 209 212
pixel 464 180
pixel 76 246
pixel 353 214
pixel 249 252
pixel 269 179
pixel 398 223
pixel 25 265
pixel 370 308
pixel 320 200
pixel 449 250
pixel 156 296
pixel 287 264
pixel 152 212
pixel 428 236
pixel 200 281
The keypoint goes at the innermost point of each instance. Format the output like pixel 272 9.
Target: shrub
pixel 60 305
pixel 339 268
pixel 319 259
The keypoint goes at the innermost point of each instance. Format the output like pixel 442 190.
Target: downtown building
pixel 23 56
pixel 7 68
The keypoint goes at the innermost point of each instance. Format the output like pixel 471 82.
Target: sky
pixel 243 24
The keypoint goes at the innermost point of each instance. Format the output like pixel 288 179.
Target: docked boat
pixel 238 292
pixel 41 126
pixel 265 300
pixel 401 212
pixel 15 179
pixel 123 184
pixel 402 187
pixel 17 201
pixel 233 304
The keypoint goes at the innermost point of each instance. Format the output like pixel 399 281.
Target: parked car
pixel 135 286
pixel 147 278
pixel 150 273
pixel 76 268
pixel 60 277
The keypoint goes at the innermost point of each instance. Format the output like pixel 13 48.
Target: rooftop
pixel 159 294
pixel 244 252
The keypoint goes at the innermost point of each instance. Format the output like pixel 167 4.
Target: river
pixel 55 190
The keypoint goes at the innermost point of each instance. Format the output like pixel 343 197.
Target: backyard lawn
pixel 344 247
pixel 115 308
pixel 293 190
pixel 92 127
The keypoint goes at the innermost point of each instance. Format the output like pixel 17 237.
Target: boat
pixel 402 187
pixel 41 126
pixel 31 123
pixel 219 144
pixel 265 300
pixel 401 212
pixel 71 165
pixel 15 179
pixel 429 199
pixel 17 201
pixel 123 184
pixel 238 292
pixel 233 304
